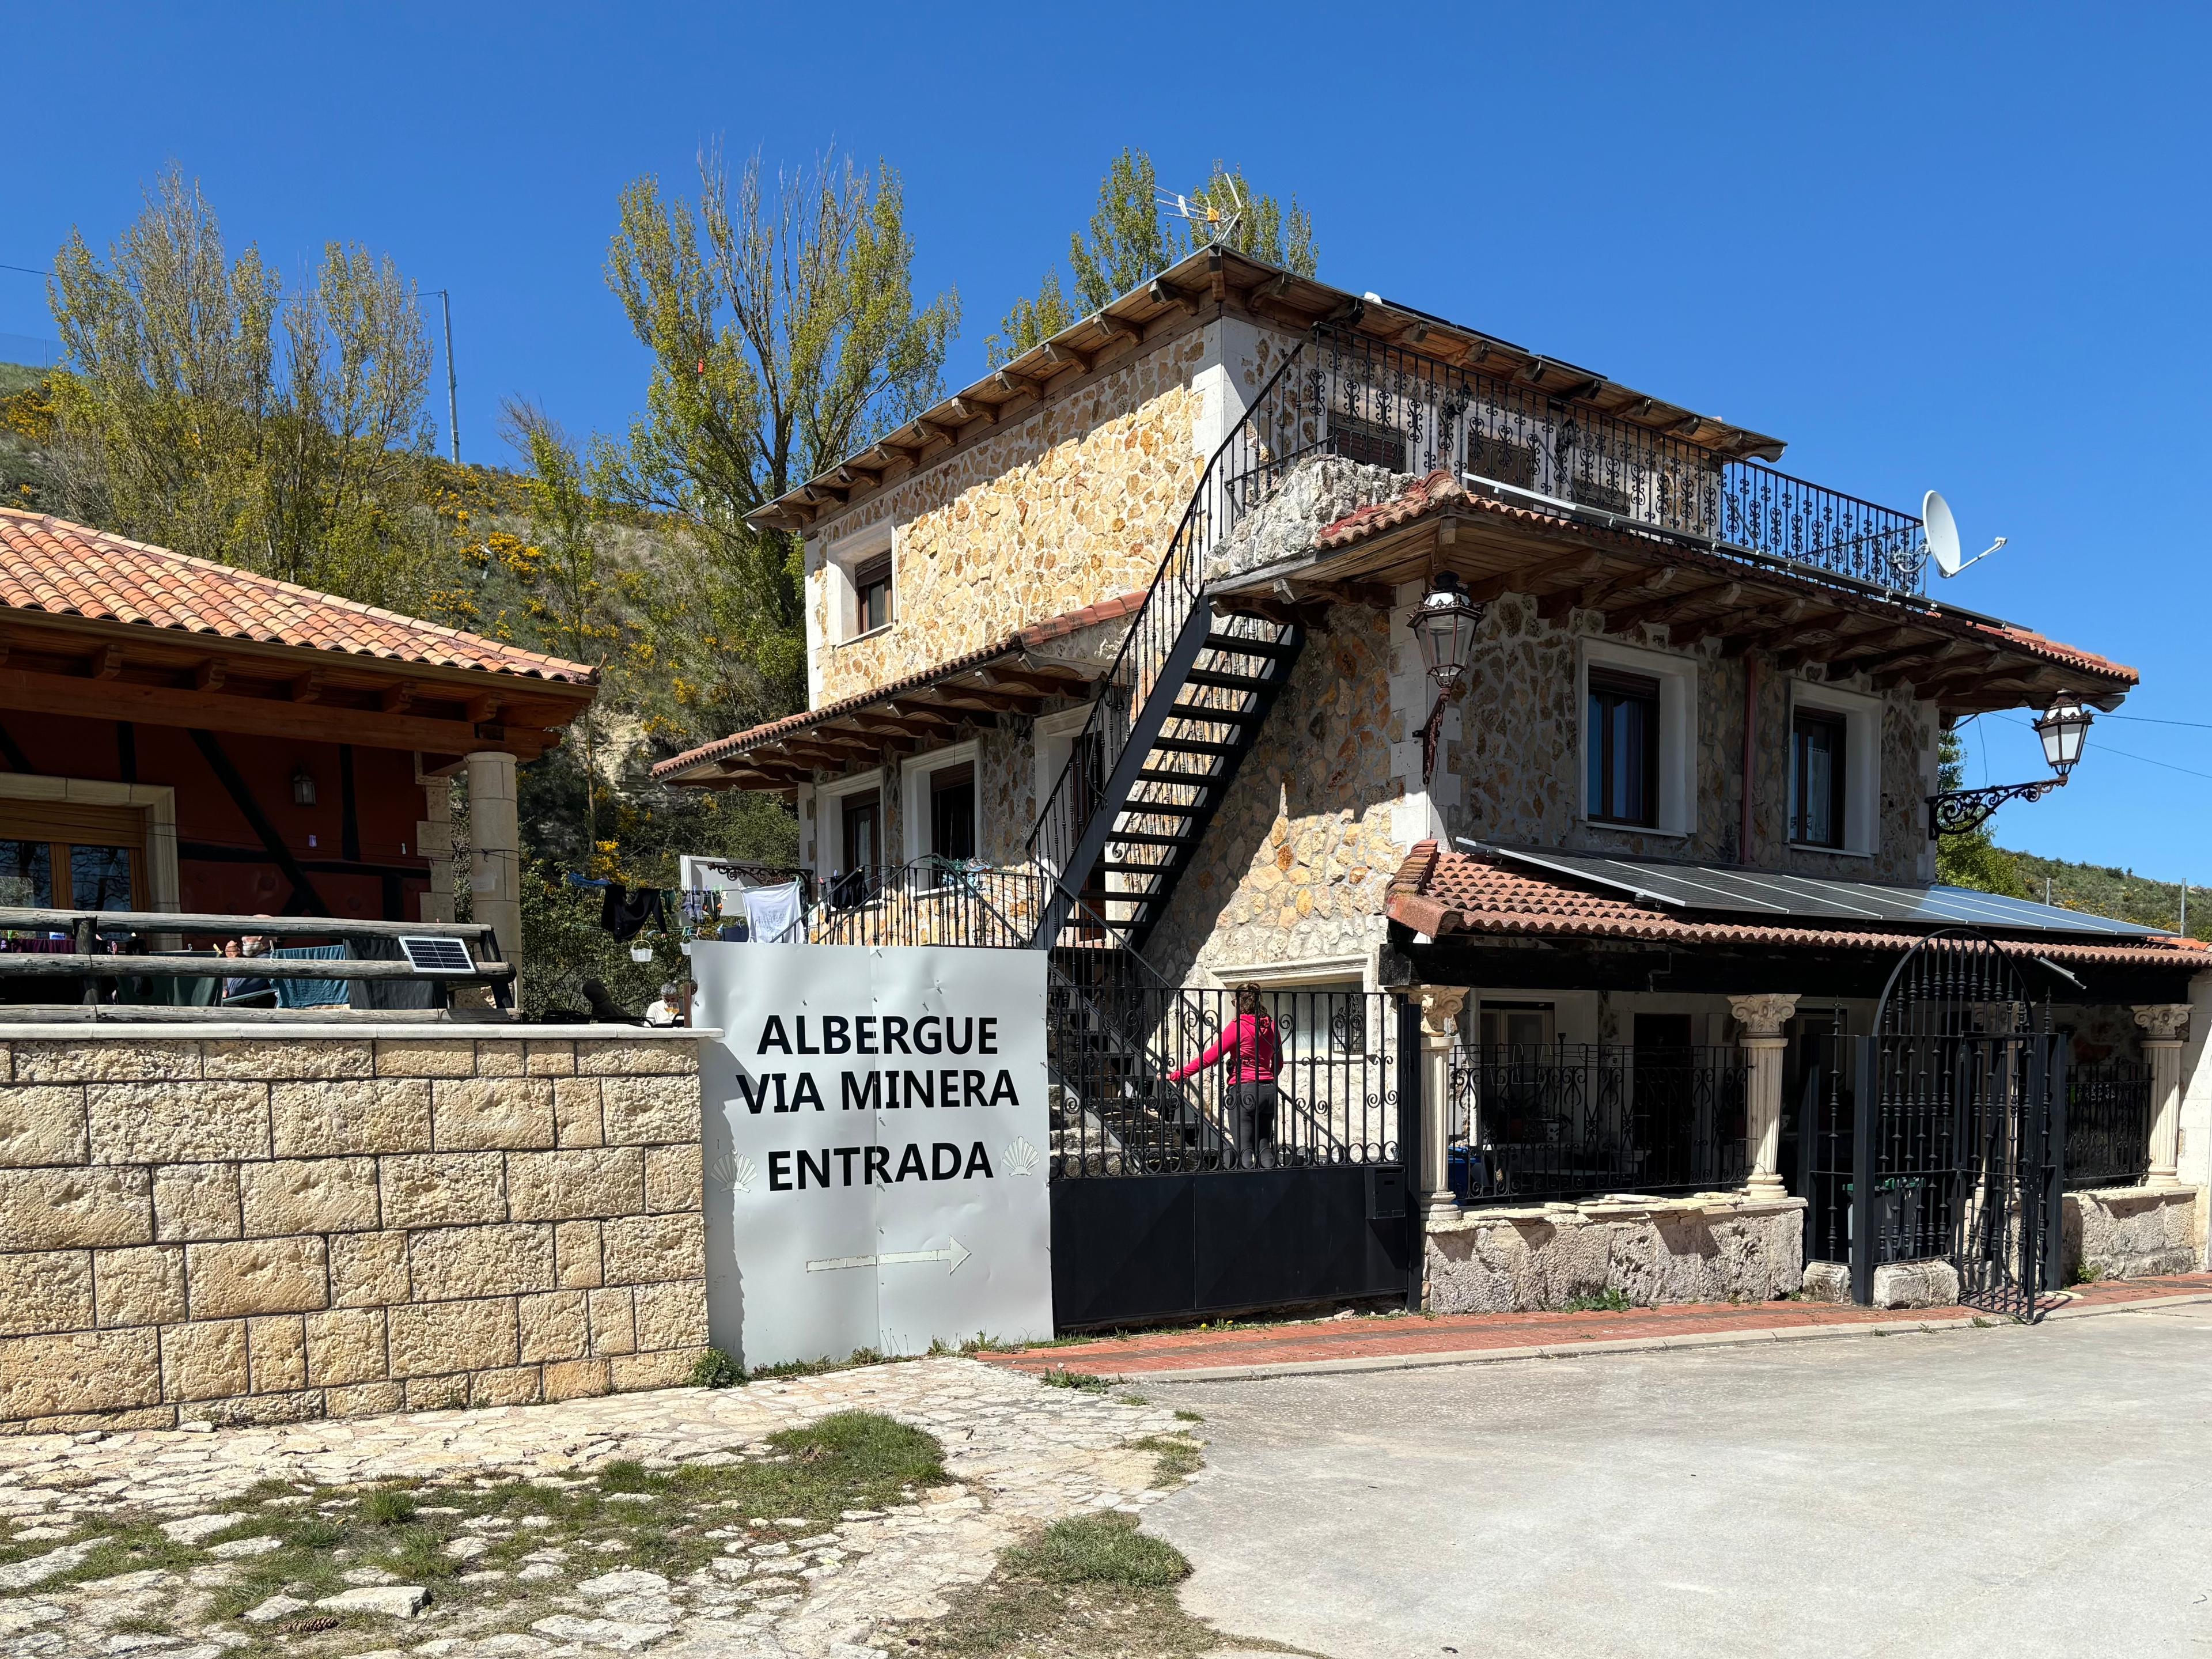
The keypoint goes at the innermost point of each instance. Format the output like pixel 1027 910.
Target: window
pixel 860 823
pixel 1499 458
pixel 1373 443
pixel 1517 1025
pixel 72 856
pixel 1833 770
pixel 952 811
pixel 1623 744
pixel 1322 1021
pixel 871 595
pixel 1817 771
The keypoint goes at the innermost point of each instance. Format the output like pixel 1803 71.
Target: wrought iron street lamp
pixel 2065 729
pixel 1444 624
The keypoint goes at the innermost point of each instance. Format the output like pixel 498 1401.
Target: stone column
pixel 494 854
pixel 1762 1017
pixel 2166 1028
pixel 1440 1006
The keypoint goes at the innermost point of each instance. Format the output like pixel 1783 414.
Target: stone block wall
pixel 2132 1232
pixel 1714 1248
pixel 268 1227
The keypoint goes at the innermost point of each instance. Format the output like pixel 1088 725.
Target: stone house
pixel 1127 629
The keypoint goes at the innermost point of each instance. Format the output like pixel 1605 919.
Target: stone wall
pixel 1718 1247
pixel 1297 863
pixel 1070 504
pixel 1517 756
pixel 244 1227
pixel 2132 1232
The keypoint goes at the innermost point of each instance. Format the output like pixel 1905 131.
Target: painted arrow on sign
pixel 954 1253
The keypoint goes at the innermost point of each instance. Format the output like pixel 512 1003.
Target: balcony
pixel 1383 405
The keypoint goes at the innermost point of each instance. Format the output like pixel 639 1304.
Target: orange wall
pixel 388 802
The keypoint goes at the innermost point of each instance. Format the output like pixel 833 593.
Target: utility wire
pixel 27 271
pixel 2107 748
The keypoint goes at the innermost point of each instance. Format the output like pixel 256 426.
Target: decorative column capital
pixel 1440 1009
pixel 1765 1014
pixel 2163 1022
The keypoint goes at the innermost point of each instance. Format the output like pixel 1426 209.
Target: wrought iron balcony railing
pixel 1389 406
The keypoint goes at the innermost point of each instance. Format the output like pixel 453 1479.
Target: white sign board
pixel 876 1134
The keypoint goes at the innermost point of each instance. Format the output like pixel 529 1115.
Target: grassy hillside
pixel 2102 890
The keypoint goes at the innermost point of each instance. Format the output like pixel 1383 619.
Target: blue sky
pixel 1931 246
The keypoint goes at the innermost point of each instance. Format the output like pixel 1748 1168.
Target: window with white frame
pixel 944 808
pixel 862 585
pixel 1640 738
pixel 1835 769
pixel 849 823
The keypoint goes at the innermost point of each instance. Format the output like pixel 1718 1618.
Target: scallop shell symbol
pixel 1021 1157
pixel 736 1172
pixel 743 1175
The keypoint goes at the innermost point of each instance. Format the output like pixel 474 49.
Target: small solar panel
pixel 1764 892
pixel 432 954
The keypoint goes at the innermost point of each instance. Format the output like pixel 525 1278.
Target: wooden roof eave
pixel 1707 596
pixel 1222 282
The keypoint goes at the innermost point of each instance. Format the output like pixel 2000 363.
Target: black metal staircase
pixel 1181 705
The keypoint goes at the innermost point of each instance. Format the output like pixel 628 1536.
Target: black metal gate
pixel 1942 1134
pixel 1172 1197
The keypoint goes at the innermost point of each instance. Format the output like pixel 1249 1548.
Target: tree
pixel 565 518
pixel 785 336
pixel 205 409
pixel 1973 860
pixel 1132 240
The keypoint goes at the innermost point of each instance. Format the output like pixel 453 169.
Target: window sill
pixel 1832 852
pixel 871 633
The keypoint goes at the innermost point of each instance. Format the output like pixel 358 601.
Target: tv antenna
pixel 1209 224
pixel 1939 533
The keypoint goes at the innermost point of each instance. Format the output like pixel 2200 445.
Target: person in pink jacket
pixel 1254 1054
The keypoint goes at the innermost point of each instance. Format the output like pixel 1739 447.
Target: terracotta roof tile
pixel 48 564
pixel 1023 639
pixel 1438 893
pixel 1439 492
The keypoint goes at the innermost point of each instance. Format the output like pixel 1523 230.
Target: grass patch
pixel 797 1483
pixel 2085 1273
pixel 1173 1457
pixel 716 1369
pixel 1090 1587
pixel 1611 1299
pixel 1061 1377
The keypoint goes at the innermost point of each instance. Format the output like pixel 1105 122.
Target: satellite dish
pixel 1940 531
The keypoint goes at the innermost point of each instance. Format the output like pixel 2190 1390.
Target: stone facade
pixel 1297 862
pixel 2133 1232
pixel 263 1228
pixel 1069 504
pixel 1716 1247
pixel 1518 766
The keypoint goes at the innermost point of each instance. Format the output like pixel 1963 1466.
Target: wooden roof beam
pixel 1163 294
pixel 1575 567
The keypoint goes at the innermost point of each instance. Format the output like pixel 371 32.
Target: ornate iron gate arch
pixel 1961 1155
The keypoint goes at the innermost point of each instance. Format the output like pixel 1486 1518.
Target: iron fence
pixel 2108 1111
pixel 170 965
pixel 1574 1120
pixel 930 902
pixel 1389 406
pixel 1153 1080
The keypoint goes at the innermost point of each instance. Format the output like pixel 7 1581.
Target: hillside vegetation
pixel 2100 891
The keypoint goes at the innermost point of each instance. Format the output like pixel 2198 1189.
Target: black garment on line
pixel 624 914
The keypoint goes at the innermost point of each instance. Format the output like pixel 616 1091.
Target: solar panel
pixel 1769 893
pixel 435 954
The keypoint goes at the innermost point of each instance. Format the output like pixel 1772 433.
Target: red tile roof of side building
pixel 1439 492
pixel 1442 893
pixel 1022 638
pixel 52 566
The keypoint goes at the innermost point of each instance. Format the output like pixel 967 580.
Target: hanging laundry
pixel 624 914
pixel 773 915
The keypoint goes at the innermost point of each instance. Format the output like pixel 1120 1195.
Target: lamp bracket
pixel 1962 812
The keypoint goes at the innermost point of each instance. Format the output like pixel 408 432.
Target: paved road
pixel 1987 1492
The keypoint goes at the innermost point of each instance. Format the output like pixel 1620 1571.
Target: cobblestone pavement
pixel 1019 1454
